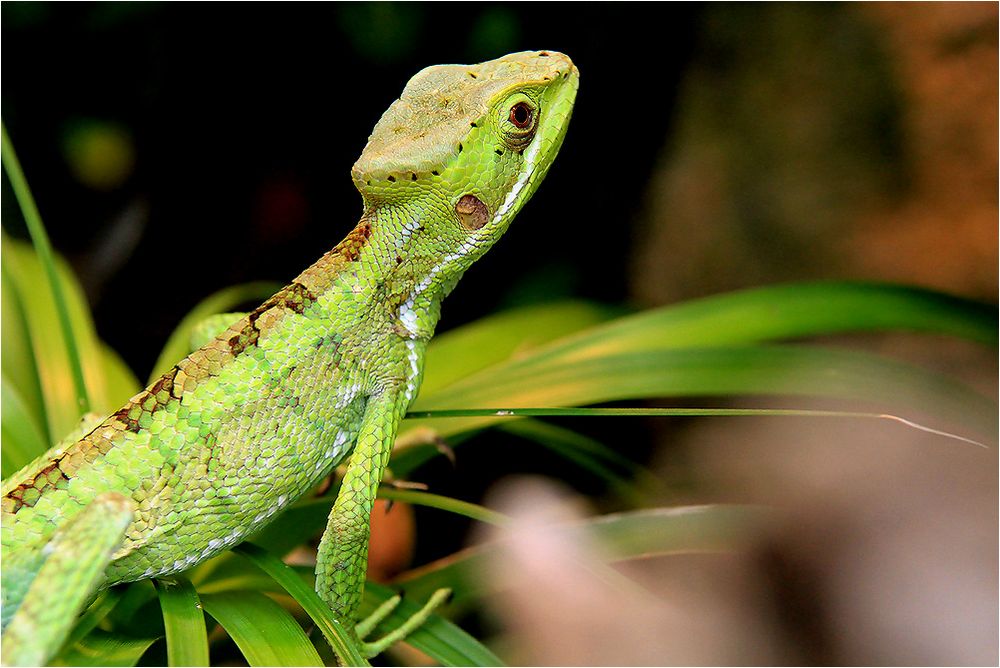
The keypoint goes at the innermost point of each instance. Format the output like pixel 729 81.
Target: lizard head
pixel 465 146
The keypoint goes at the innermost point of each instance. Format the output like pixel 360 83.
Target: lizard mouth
pixel 561 80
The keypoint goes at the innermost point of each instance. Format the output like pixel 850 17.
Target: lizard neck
pixel 403 256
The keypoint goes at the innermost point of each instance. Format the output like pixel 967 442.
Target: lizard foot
pixel 367 625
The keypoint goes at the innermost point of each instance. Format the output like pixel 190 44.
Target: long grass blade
pixel 97 611
pixel 686 412
pixel 447 504
pixel 338 637
pixel 566 380
pixel 22 438
pixel 50 362
pixel 480 344
pixel 184 621
pixel 17 358
pixel 105 649
pixel 266 633
pixel 43 247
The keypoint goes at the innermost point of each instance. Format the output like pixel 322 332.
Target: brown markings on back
pixel 30 491
pixel 128 415
pixel 247 335
pixel 131 417
pixel 294 297
pixel 351 246
pixel 61 468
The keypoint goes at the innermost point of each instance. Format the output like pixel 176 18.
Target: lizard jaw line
pixel 530 157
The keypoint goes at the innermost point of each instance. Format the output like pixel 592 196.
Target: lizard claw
pixel 412 623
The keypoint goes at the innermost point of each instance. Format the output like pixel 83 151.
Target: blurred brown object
pixel 888 554
pixel 943 232
pixel 883 552
pixel 571 608
pixel 829 141
pixel 392 539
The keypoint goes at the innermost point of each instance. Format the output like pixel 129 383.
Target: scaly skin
pixel 322 371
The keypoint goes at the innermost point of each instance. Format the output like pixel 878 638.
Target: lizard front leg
pixel 343 551
pixel 70 568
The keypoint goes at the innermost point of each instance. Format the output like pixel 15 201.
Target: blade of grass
pixel 22 438
pixel 184 622
pixel 341 642
pixel 52 365
pixel 749 370
pixel 97 611
pixel 464 508
pixel 18 359
pixel 756 370
pixel 105 649
pixel 495 338
pixel 685 412
pixel 786 312
pixel 306 518
pixel 40 239
pixel 266 633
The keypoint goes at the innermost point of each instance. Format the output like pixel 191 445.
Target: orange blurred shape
pixel 392 539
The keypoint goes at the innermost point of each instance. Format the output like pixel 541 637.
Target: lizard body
pixel 321 372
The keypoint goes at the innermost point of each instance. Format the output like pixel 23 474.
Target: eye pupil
pixel 520 115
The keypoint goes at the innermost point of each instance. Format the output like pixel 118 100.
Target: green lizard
pixel 320 373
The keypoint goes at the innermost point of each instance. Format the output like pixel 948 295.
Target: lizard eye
pixel 518 121
pixel 520 115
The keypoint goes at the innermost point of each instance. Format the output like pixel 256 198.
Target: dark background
pixel 243 121
pixel 712 147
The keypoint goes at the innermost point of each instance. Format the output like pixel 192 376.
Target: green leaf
pixel 786 312
pixel 306 518
pixel 495 338
pixel 266 633
pixel 184 622
pixel 22 438
pixel 17 358
pixel 93 616
pixel 445 503
pixel 52 281
pixel 177 347
pixel 338 637
pixel 105 649
pixel 54 366
pixel 662 353
pixel 565 378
